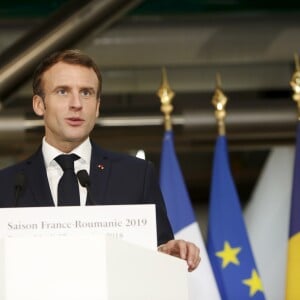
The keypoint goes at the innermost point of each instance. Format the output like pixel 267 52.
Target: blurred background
pixel 250 43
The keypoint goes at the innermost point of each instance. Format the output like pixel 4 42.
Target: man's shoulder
pixel 14 166
pixel 8 174
pixel 18 166
pixel 118 157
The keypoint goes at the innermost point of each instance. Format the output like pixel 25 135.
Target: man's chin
pixel 76 139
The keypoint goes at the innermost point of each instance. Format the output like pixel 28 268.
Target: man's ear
pixel 98 108
pixel 38 105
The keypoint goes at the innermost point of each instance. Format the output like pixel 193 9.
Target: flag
pixel 267 219
pixel 228 245
pixel 293 263
pixel 202 284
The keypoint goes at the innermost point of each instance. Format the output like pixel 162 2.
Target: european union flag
pixel 293 264
pixel 228 245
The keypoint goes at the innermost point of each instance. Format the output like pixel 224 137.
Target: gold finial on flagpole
pixel 295 83
pixel 166 95
pixel 219 101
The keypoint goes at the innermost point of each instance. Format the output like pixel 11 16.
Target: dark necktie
pixel 68 189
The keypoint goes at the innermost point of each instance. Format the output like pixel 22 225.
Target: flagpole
pixel 166 95
pixel 219 101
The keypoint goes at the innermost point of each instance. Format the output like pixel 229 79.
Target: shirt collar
pixel 84 151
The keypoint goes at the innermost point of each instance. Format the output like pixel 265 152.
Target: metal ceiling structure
pixel 252 47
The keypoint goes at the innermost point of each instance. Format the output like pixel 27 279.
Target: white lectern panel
pixel 145 274
pixel 58 268
pixel 87 268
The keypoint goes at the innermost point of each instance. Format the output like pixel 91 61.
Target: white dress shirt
pixel 55 172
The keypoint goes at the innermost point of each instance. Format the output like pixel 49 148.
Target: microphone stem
pixel 17 195
pixel 88 197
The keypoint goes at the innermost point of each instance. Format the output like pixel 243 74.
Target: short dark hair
pixel 73 57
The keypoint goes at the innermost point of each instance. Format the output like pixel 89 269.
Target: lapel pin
pixel 101 167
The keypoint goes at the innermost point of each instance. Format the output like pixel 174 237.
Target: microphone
pixel 85 181
pixel 19 186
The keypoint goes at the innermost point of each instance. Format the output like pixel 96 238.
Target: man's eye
pixel 86 93
pixel 61 92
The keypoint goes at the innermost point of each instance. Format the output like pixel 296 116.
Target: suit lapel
pixel 99 173
pixel 38 180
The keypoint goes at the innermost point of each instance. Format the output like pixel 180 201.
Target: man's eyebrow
pixel 66 87
pixel 89 88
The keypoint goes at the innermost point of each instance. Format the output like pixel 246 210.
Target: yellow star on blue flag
pixel 254 283
pixel 229 255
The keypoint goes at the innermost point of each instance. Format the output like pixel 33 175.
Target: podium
pixel 92 267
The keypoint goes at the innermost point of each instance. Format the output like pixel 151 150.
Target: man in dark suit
pixel 66 88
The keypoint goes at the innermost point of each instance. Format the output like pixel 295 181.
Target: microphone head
pixel 84 178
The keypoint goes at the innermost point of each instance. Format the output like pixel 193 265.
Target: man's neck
pixel 65 146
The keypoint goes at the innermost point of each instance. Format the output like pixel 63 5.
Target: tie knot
pixel 66 161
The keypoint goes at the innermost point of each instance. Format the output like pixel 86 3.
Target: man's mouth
pixel 74 121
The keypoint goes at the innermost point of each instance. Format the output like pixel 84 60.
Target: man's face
pixel 70 106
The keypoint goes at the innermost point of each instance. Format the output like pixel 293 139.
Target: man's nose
pixel 75 101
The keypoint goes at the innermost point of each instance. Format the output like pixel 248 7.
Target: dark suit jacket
pixel 115 179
